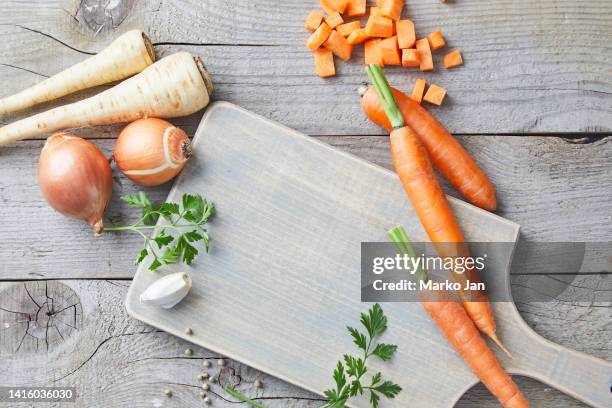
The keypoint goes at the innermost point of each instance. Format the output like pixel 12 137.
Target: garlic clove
pixel 167 291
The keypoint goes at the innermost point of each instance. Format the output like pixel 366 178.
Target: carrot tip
pixel 500 345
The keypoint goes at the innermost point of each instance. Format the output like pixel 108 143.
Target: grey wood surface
pixel 540 67
pixel 529 66
pixel 115 361
pixel 543 183
pixel 290 210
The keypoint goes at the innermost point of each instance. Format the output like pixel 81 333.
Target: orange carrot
pixel 313 21
pixel 378 26
pixel 347 28
pixel 324 62
pixel 334 19
pixel 415 171
pixel 357 37
pixel 436 40
pixel 390 52
pixel 435 94
pixel 410 58
pixel 391 8
pixel 406 36
pixel 418 90
pixel 463 335
pixel 339 46
pixel 445 152
pixel 461 332
pixel 453 59
pixel 373 55
pixel 375 11
pixel 318 37
pixel 334 5
pixel 422 47
pixel 356 8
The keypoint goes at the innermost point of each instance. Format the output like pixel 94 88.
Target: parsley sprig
pixel 186 221
pixel 349 381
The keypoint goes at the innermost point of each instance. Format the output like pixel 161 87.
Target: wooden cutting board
pixel 282 279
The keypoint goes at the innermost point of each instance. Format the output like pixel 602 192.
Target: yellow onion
pixel 151 151
pixel 75 178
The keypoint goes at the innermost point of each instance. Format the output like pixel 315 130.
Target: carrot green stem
pixel 242 398
pixel 378 79
pixel 398 236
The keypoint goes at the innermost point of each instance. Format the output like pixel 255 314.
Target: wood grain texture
pixel 315 203
pixel 114 360
pixel 543 183
pixel 530 66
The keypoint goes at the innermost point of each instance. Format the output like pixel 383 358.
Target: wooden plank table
pixel 532 104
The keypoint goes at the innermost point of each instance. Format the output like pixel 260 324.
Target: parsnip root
pixel 129 54
pixel 177 85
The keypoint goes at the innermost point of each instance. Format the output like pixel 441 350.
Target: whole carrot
pixel 430 204
pixel 446 153
pixel 463 335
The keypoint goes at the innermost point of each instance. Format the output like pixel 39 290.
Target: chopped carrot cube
pixel 333 20
pixel 406 36
pixel 435 94
pixel 356 8
pixel 391 8
pixel 373 55
pixel 390 52
pixel 436 40
pixel 334 5
pixel 324 62
pixel 339 46
pixel 347 28
pixel 422 47
pixel 418 90
pixel 313 21
pixel 453 59
pixel 375 11
pixel 319 36
pixel 410 58
pixel 328 6
pixel 357 37
pixel 378 26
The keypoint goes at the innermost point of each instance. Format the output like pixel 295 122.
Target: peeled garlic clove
pixel 167 291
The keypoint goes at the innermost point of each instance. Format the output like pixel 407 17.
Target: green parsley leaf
pixel 388 389
pixel 375 321
pixel 374 399
pixel 162 239
pixel 348 382
pixel 358 338
pixel 384 351
pixel 186 224
pixel 143 254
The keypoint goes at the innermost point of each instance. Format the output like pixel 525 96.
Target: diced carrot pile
pixel 387 39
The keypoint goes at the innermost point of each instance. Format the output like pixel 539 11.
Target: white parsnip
pixel 177 85
pixel 129 54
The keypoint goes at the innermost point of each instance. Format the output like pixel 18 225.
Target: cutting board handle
pixel 584 377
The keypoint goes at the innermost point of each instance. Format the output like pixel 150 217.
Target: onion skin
pixel 151 151
pixel 75 178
